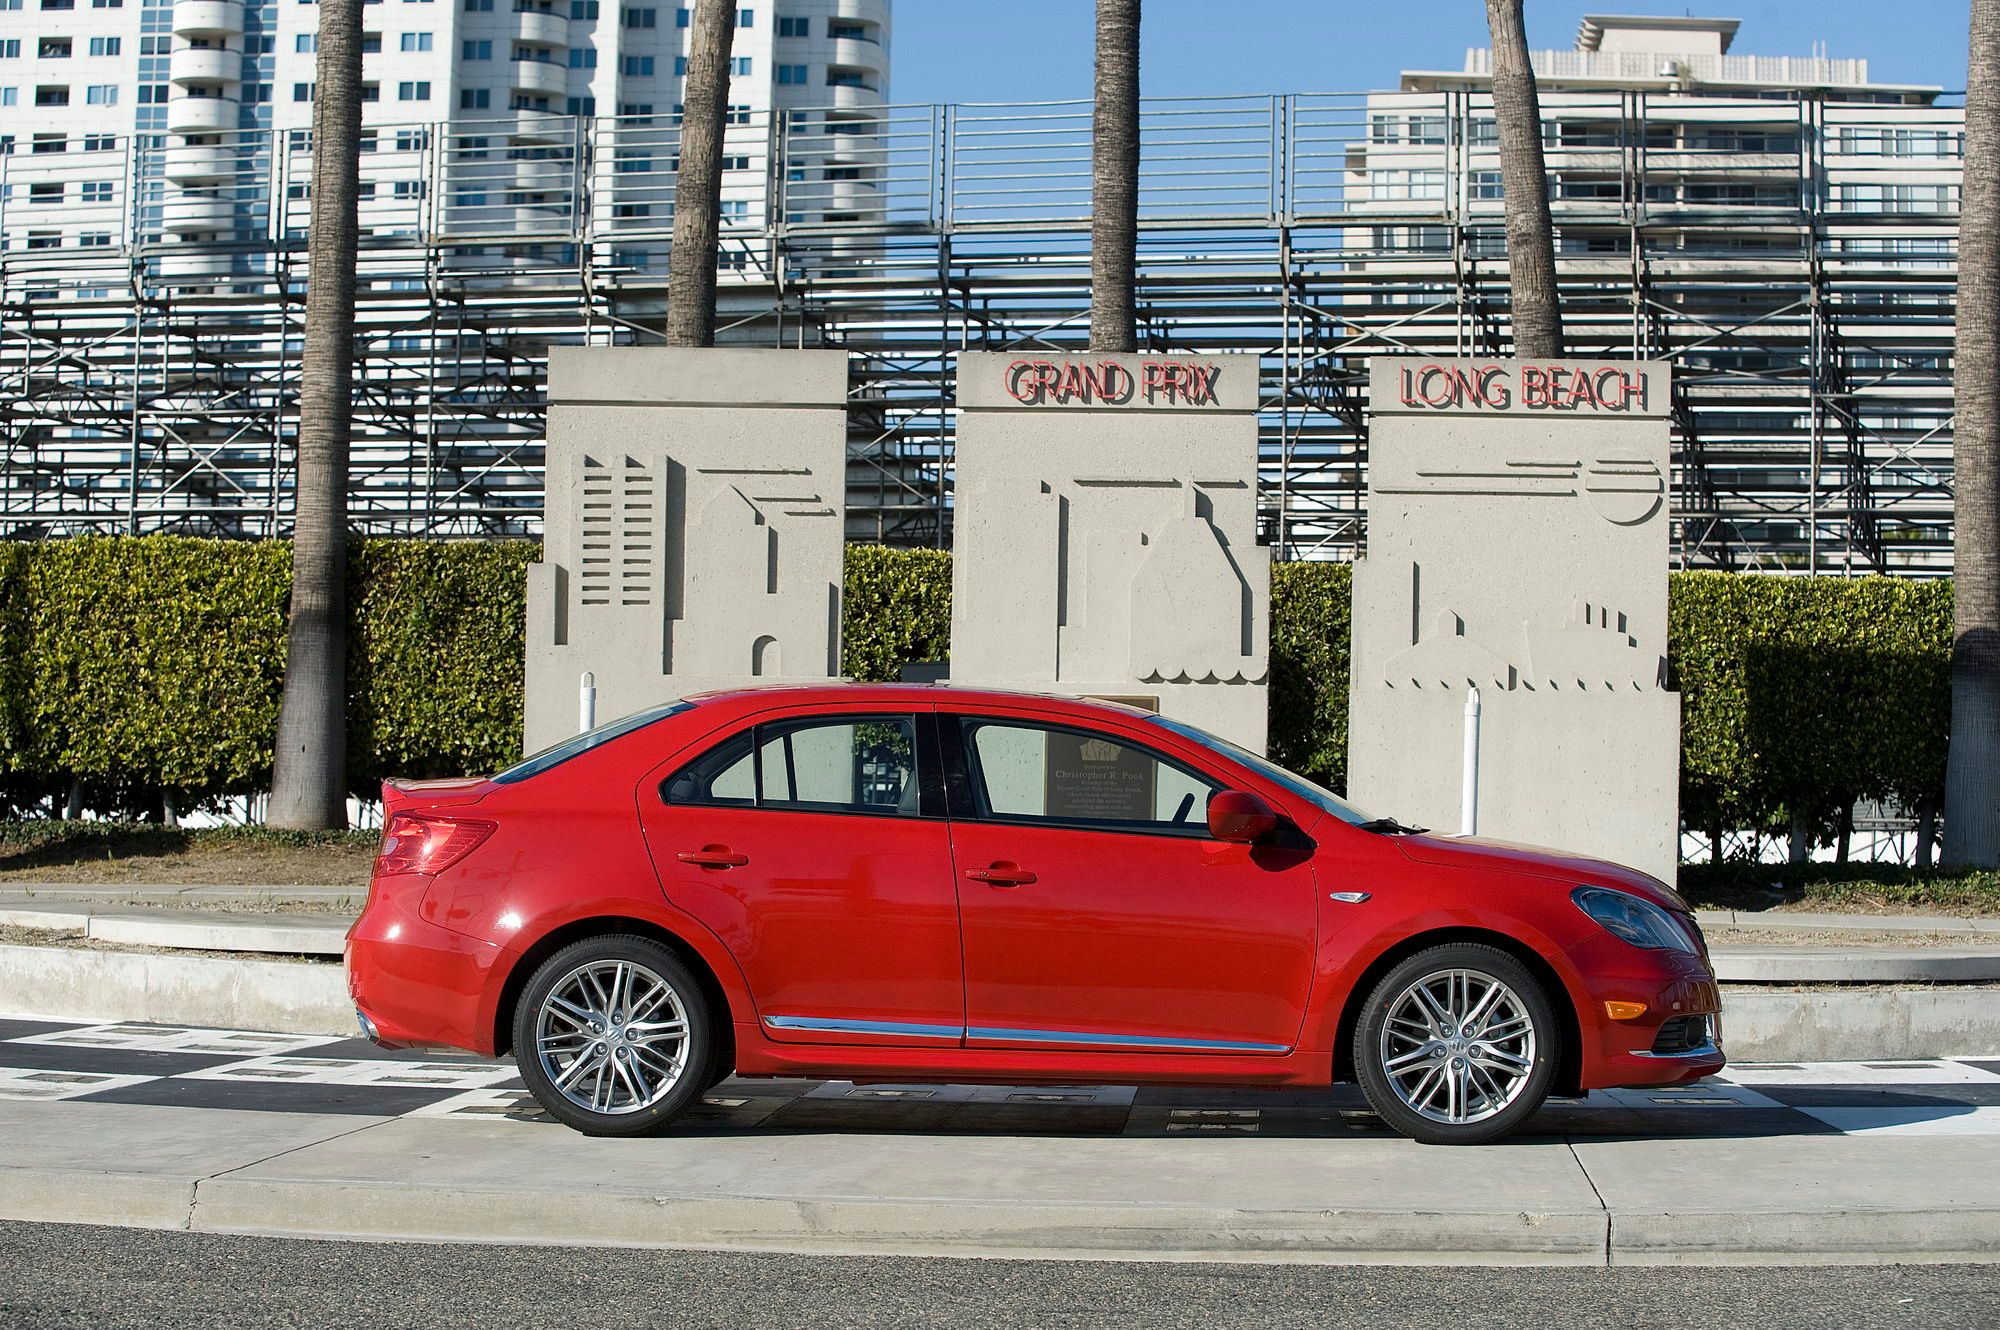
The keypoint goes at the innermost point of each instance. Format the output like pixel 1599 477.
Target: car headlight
pixel 1634 920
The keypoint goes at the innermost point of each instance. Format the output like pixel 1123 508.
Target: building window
pixel 411 140
pixel 642 18
pixel 51 143
pixel 100 142
pixel 58 4
pixel 746 18
pixel 740 66
pixel 371 43
pixel 475 99
pixel 416 41
pixel 419 91
pixel 477 50
pixel 583 9
pixel 101 94
pixel 97 191
pixel 105 45
pixel 478 6
pixel 637 66
pixel 10 48
pixel 409 189
pixel 371 92
pixel 306 43
pixel 792 75
pixel 53 48
pixel 681 17
pixel 680 66
pixel 56 94
pixel 46 191
pixel 581 106
pixel 583 57
pixel 794 27
pixel 302 92
pixel 152 94
pixel 94 239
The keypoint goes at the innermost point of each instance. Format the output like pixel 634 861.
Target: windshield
pixel 556 754
pixel 1263 766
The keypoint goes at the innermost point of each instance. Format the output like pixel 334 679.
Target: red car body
pixel 872 948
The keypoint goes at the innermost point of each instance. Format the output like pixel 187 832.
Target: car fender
pixel 657 914
pixel 1347 953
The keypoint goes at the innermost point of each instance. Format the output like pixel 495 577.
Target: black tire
pixel 1474 1079
pixel 627 1061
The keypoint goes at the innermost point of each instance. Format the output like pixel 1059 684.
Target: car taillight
pixel 426 843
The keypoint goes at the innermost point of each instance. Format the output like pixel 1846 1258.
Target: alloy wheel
pixel 612 1036
pixel 1458 1046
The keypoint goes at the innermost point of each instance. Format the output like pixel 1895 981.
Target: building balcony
pixel 196 214
pixel 860 54
pixel 532 25
pixel 189 265
pixel 541 77
pixel 211 64
pixel 202 115
pixel 196 163
pixel 865 11
pixel 208 18
pixel 844 95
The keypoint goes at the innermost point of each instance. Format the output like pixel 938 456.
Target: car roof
pixel 915 694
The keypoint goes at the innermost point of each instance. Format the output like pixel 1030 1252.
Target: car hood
pixel 1537 861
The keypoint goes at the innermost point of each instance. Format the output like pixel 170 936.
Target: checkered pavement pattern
pixel 135 1063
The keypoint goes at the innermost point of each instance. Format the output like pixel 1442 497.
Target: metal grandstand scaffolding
pixel 1792 255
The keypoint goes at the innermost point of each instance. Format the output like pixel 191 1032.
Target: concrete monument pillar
pixel 1518 543
pixel 695 527
pixel 1105 534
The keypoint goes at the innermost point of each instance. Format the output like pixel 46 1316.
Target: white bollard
pixel 1468 798
pixel 586 703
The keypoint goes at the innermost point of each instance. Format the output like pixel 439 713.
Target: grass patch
pixel 44 844
pixel 1842 888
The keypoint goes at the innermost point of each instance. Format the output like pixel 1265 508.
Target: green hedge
pixel 1800 695
pixel 145 663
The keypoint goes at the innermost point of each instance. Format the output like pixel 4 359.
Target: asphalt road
pixel 57 1275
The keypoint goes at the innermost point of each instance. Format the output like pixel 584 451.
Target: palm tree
pixel 309 781
pixel 698 186
pixel 1972 772
pixel 1114 178
pixel 1531 250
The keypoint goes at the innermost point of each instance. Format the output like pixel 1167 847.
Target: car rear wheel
pixel 1457 1045
pixel 614 1036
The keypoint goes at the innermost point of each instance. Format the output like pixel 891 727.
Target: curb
pixel 601 1215
pixel 283 935
pixel 1856 965
pixel 73 983
pixel 1759 1024
pixel 1843 1025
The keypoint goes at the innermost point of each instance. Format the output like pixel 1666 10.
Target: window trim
pixel 963 759
pixel 930 778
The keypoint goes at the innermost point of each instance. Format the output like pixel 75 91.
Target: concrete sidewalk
pixel 1366 1198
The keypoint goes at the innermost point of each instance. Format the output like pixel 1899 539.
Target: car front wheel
pixel 1457 1045
pixel 613 1036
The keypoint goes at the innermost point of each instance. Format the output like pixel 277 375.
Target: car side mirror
pixel 1240 816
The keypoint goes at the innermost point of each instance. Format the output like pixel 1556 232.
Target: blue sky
pixel 1035 50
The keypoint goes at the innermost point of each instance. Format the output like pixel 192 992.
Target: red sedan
pixel 911 883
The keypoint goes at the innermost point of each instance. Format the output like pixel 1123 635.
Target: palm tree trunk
pixel 1531 246
pixel 1114 179
pixel 309 780
pixel 698 186
pixel 1972 774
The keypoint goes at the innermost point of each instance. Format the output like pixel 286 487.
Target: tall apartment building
pixel 1795 217
pixel 222 85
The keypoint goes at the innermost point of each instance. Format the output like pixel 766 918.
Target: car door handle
pixel 1001 874
pixel 714 856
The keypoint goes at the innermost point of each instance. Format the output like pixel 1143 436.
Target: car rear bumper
pixel 415 984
